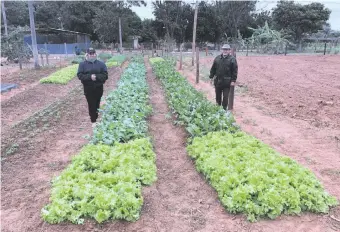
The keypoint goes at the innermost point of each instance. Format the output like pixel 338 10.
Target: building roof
pixel 56 30
pixel 322 39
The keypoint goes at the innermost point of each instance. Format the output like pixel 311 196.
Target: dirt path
pixel 25 79
pixel 46 143
pixel 33 99
pixel 313 147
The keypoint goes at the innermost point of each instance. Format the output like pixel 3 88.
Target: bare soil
pixel 25 79
pixel 44 144
pixel 181 199
pixel 275 98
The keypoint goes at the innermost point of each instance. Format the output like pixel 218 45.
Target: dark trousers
pixel 225 92
pixel 93 95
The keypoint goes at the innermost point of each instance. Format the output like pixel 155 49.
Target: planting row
pixel 249 176
pixel 192 108
pixel 104 182
pixel 126 109
pixel 64 75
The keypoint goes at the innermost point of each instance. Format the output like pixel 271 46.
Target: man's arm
pixel 213 70
pixel 103 75
pixel 234 70
pixel 81 75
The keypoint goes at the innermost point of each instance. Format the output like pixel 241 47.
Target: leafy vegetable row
pixel 156 59
pixel 193 109
pixel 124 114
pixel 63 76
pixel 103 182
pixel 115 61
pixel 250 177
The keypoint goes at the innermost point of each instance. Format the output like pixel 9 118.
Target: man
pixel 225 69
pixel 77 50
pixel 93 74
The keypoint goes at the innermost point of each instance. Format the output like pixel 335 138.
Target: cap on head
pixel 226 47
pixel 91 51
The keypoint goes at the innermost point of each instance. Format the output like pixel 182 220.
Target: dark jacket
pixel 87 68
pixel 225 69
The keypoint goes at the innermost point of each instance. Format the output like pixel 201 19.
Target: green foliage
pixel 115 61
pixel 124 114
pixel 131 23
pixel 199 115
pixel 273 40
pixel 63 76
pixel 252 178
pixel 103 183
pixel 300 19
pixel 78 59
pixel 13 46
pixel 156 59
pixel 104 56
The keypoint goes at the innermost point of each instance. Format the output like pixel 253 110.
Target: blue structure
pixel 53 40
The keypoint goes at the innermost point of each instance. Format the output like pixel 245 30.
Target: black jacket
pixel 87 68
pixel 225 69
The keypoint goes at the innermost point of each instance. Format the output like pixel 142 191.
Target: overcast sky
pixel 333 5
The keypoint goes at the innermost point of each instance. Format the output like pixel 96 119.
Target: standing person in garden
pixel 93 74
pixel 224 74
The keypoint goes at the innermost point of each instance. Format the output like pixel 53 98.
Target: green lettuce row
pixel 125 110
pixel 251 178
pixel 156 59
pixel 193 109
pixel 103 183
pixel 63 76
pixel 115 61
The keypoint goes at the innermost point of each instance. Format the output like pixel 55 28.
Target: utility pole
pixel 33 35
pixel 4 16
pixel 120 36
pixel 194 35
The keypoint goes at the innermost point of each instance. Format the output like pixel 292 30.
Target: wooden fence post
pixel 197 65
pixel 65 49
pixel 42 59
pixel 180 57
pixel 231 98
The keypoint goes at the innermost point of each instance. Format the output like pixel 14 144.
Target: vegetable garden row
pixel 104 180
pixel 64 75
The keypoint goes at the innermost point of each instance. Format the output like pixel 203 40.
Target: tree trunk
pixel 120 36
pixel 4 16
pixel 33 34
pixel 300 45
pixel 194 35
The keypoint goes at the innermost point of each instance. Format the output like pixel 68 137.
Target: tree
pixel 47 14
pixel 148 31
pixel 299 19
pixel 168 13
pixel 261 18
pixel 107 18
pixel 13 47
pixel 273 41
pixel 17 13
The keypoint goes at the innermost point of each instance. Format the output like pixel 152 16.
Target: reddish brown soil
pixel 270 91
pixel 46 142
pixel 180 200
pixel 25 79
pixel 31 100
